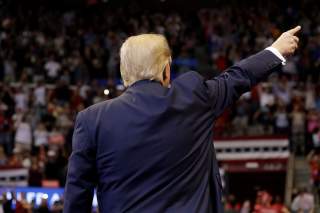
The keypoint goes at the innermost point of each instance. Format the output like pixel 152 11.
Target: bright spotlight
pixel 106 92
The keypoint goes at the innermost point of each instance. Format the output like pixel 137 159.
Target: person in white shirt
pixel 40 95
pixel 267 98
pixel 303 202
pixel 23 136
pixel 41 135
pixel 281 120
pixel 52 67
pixel 84 89
pixel 310 100
pixel 21 99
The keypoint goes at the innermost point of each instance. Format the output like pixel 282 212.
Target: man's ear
pixel 166 76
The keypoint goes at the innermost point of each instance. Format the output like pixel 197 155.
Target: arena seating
pixel 56 62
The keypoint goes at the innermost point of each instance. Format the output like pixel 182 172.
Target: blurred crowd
pixel 55 63
pixel 303 201
pixel 264 203
pixel 21 205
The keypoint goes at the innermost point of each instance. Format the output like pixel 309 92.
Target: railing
pixel 289 180
pixel 14 176
pixel 246 149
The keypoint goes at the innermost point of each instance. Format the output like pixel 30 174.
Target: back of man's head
pixel 144 57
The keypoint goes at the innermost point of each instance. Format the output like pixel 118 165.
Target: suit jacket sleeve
pixel 224 89
pixel 81 177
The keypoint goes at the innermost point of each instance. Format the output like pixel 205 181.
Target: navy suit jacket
pixel 151 149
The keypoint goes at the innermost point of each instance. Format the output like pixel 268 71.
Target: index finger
pixel 294 30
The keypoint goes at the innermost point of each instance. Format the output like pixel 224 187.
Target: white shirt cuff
pixel 277 53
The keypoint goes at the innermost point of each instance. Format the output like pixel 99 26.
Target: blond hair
pixel 144 57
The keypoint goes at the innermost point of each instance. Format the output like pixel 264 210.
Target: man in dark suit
pixel 150 149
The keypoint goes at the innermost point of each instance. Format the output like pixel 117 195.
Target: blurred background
pixel 58 57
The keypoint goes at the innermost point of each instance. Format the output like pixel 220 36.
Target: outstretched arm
pixel 224 89
pixel 81 178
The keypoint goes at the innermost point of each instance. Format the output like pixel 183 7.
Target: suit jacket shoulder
pixel 192 82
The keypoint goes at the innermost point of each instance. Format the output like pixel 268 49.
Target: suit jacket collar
pixel 147 86
pixel 144 81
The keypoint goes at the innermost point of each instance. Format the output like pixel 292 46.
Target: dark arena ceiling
pixel 179 5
